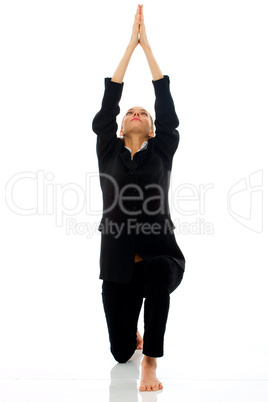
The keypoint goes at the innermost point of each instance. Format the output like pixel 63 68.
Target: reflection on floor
pixel 221 373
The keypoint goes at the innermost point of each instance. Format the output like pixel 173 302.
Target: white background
pixel 55 56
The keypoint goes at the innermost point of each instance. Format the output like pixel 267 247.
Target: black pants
pixel 153 280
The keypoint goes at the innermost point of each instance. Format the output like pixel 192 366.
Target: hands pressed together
pixel 138 37
pixel 138 31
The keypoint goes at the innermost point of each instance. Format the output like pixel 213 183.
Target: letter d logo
pixel 247 194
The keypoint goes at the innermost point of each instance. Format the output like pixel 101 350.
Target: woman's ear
pixel 151 134
pixel 122 133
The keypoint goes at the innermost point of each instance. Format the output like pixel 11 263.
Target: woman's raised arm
pixel 122 67
pixel 154 67
pixel 137 30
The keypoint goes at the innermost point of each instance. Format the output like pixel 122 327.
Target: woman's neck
pixel 134 143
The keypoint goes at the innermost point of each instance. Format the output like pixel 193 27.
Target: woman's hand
pixel 143 37
pixel 136 27
pixel 122 66
pixel 138 31
pixel 138 37
pixel 154 67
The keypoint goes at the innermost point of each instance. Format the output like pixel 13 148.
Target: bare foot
pixel 149 382
pixel 139 341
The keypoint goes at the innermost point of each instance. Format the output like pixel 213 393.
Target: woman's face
pixel 137 119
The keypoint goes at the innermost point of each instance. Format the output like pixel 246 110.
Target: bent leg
pixel 122 304
pixel 162 276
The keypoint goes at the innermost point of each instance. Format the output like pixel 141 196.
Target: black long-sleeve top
pixel 145 179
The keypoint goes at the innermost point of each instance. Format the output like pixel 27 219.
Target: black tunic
pixel 136 215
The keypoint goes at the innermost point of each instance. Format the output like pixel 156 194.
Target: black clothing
pixel 145 180
pixel 153 279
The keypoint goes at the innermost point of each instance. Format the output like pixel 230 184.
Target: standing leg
pixel 162 276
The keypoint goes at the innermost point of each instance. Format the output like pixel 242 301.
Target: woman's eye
pixel 142 113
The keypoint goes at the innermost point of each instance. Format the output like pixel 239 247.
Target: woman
pixel 139 255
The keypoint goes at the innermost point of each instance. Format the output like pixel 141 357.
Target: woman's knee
pixel 122 356
pixel 159 270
